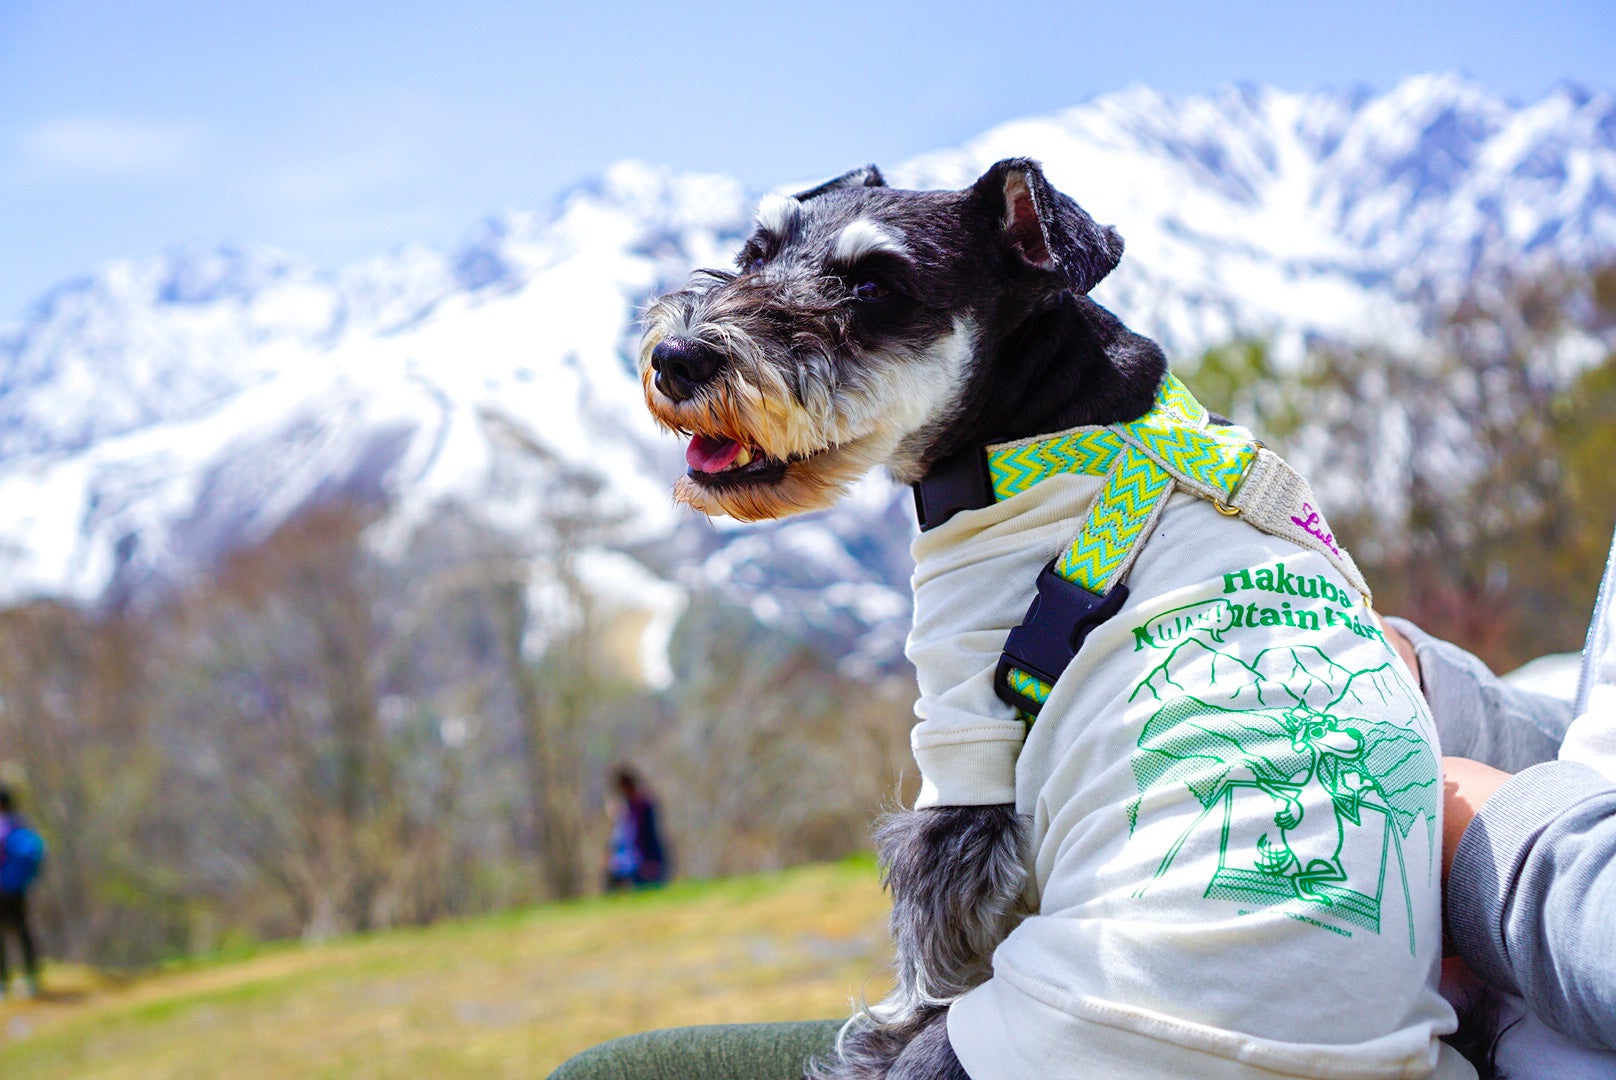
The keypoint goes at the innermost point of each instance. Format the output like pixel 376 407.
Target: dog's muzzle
pixel 683 365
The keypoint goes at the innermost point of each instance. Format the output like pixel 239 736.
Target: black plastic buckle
pixel 957 482
pixel 1054 628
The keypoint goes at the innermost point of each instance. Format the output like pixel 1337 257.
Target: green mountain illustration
pixel 1316 771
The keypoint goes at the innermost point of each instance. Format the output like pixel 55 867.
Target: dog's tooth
pixel 742 458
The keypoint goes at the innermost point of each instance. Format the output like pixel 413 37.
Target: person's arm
pixel 1477 714
pixel 1531 891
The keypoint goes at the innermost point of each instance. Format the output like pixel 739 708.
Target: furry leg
pixel 929 1055
pixel 867 1050
pixel 914 1049
pixel 957 875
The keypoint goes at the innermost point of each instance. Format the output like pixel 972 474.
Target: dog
pixel 1202 839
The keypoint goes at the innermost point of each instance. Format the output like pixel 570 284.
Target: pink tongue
pixel 710 455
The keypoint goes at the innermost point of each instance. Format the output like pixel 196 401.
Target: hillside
pixel 508 996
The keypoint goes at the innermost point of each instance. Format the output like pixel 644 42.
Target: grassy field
pixel 507 996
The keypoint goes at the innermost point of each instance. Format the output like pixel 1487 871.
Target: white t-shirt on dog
pixel 1235 799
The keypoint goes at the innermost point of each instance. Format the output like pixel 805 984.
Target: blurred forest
pixel 1473 478
pixel 327 735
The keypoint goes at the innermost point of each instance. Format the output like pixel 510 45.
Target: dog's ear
pixel 867 176
pixel 1046 229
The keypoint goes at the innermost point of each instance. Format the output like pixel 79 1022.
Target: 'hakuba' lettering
pixel 1276 579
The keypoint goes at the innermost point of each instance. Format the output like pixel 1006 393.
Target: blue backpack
pixel 24 855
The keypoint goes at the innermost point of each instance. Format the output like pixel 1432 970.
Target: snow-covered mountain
pixel 1259 210
pixel 158 413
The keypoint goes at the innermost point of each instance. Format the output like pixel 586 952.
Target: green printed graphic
pixel 1312 774
pixel 1209 617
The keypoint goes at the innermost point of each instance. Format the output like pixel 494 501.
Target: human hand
pixel 1466 784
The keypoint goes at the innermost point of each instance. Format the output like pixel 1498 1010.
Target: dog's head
pixel 850 335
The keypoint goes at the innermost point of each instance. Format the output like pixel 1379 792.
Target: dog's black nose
pixel 683 364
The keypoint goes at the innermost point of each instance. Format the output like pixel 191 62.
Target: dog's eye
pixel 868 290
pixel 754 265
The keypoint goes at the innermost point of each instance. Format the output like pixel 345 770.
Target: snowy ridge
pixel 1257 210
pixel 158 413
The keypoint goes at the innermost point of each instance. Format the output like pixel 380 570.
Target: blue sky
pixel 340 130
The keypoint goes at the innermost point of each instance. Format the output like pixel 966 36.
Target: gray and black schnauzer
pixel 864 327
pixel 868 326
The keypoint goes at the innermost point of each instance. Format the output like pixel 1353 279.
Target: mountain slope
pixel 157 414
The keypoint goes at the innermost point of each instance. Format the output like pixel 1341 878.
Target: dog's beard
pixel 799 463
pixel 804 446
pixel 801 490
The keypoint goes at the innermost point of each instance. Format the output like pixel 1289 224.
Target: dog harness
pixel 1173 444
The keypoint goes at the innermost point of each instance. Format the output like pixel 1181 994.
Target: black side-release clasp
pixel 958 482
pixel 1054 628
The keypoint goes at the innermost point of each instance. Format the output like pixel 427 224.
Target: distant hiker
pixel 22 852
pixel 636 858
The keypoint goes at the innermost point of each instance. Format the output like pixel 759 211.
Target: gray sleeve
pixel 1531 897
pixel 1478 715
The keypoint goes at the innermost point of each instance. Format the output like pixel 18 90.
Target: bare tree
pixel 1459 472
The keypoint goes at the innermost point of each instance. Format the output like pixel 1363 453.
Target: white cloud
pixel 108 146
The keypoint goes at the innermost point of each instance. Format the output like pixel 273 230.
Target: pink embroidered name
pixel 1313 525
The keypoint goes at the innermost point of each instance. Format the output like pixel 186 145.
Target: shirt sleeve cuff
pixel 967 765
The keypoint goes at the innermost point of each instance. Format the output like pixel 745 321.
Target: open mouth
pixel 716 461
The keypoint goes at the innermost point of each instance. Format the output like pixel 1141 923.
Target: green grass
pixel 510 995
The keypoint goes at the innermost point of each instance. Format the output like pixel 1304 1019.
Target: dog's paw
pixel 865 1050
pixel 915 1049
pixel 929 1055
pixel 957 875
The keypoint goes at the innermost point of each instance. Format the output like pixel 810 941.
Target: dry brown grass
pixel 507 996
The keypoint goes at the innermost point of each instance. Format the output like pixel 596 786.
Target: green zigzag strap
pixel 1175 432
pixel 1015 467
pixel 1140 461
pixel 1135 489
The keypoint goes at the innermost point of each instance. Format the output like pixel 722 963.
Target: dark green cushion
pixel 710 1052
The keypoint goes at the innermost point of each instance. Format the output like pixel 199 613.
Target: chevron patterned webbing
pixel 1215 459
pixel 1036 689
pixel 1015 467
pixel 1140 460
pixel 1114 522
pixel 1174 432
pixel 1173 396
